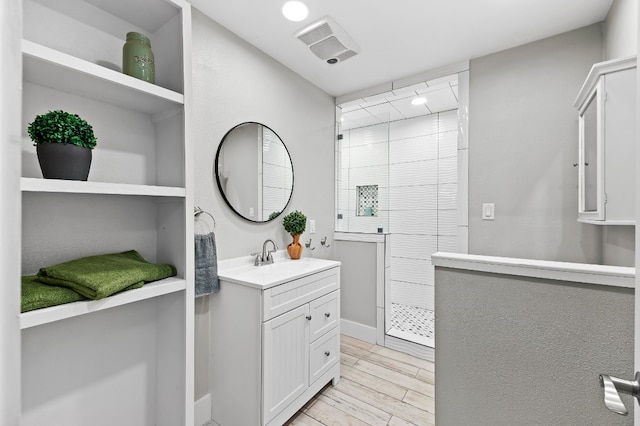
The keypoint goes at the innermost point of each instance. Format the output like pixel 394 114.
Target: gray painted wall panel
pixel 523 133
pixel 358 281
pixel 523 351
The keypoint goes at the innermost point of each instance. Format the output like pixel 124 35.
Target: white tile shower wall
pixel 422 205
pixel 420 222
pixel 410 128
pixel 408 197
pixel 420 148
pixel 413 246
pixel 447 197
pixel 448 121
pixel 415 173
pixel 372 154
pixel 419 295
pixel 447 144
pixel 416 271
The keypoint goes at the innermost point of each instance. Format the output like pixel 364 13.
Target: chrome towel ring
pixel 197 211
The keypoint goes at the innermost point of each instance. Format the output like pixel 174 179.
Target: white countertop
pixel 241 270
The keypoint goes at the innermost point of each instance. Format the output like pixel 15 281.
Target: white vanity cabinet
pixel 274 344
pixel 606 161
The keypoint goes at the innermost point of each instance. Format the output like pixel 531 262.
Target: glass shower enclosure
pixel 397 174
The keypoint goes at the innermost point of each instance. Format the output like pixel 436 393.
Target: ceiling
pixel 400 38
pixel 440 95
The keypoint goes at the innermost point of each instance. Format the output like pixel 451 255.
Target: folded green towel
pixel 36 295
pixel 100 276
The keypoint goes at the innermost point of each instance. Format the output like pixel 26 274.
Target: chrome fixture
pixel 323 242
pixel 308 245
pixel 265 258
pixel 197 211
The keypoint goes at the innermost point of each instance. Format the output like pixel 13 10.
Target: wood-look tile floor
pixel 378 386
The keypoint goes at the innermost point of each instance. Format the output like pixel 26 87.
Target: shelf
pixel 48 67
pixel 69 310
pixel 85 187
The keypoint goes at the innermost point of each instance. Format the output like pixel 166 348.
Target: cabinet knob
pixel 309 317
pixel 327 314
pixel 575 164
pixel 327 353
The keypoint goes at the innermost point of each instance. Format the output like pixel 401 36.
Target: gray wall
pixel 233 82
pixel 358 281
pixel 621 29
pixel 523 140
pixel 524 351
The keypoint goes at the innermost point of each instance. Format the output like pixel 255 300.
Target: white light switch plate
pixel 312 226
pixel 488 211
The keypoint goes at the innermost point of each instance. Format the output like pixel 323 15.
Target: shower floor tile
pixel 412 320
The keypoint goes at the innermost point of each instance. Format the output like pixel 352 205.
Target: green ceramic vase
pixel 137 57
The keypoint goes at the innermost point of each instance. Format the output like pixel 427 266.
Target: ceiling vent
pixel 328 41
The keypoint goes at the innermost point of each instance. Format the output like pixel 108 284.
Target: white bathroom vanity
pixel 275 338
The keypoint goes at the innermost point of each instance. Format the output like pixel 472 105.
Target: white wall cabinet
pixel 606 161
pixel 273 348
pixel 126 359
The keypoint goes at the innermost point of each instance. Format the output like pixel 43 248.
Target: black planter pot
pixel 64 161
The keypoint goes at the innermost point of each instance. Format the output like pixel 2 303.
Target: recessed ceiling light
pixel 418 101
pixel 295 11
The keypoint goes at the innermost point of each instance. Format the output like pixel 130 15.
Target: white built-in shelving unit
pixel 126 359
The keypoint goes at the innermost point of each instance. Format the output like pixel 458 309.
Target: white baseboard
pixel 410 348
pixel 202 410
pixel 358 331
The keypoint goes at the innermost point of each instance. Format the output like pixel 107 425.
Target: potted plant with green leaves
pixel 295 223
pixel 63 144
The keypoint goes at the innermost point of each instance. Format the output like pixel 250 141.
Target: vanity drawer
pixel 284 297
pixel 324 353
pixel 324 312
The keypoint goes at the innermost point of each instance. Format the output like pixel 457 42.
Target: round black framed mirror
pixel 254 172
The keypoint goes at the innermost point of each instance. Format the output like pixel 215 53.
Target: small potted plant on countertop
pixel 295 223
pixel 63 143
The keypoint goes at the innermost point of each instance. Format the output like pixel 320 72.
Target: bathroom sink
pixel 242 270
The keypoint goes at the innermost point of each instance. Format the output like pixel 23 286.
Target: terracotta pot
pixel 295 248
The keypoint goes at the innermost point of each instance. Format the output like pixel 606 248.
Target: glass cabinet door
pixel 591 198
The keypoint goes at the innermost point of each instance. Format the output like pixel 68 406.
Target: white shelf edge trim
pixel 616 276
pixel 98 72
pixel 85 187
pixel 70 310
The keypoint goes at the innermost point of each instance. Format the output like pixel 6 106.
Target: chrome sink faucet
pixel 265 257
